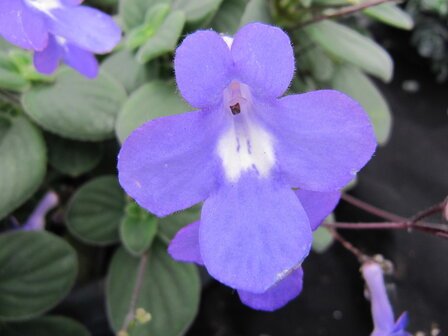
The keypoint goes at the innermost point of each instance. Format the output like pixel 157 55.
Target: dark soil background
pixel 406 176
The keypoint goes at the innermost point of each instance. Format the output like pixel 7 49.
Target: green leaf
pixel 123 67
pixel 256 11
pixel 322 240
pixel 318 63
pixel 45 326
pixel 169 292
pixel 390 14
pixel 138 229
pixel 95 211
pixel 10 77
pixel 132 12
pixel 164 39
pixel 349 45
pixel 228 18
pixel 76 107
pixel 154 18
pixel 21 147
pixel 71 157
pixel 168 226
pixel 353 82
pixel 197 12
pixel 37 269
pixel 153 100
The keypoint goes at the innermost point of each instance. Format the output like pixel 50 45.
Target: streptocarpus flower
pixel 36 221
pixel 382 313
pixel 243 151
pixel 317 205
pixel 59 29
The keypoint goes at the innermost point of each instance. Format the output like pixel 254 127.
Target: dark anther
pixel 235 108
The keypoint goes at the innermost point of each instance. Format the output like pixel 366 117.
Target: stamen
pixel 235 108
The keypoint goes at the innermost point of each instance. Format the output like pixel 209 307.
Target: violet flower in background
pixel 382 313
pixel 243 151
pixel 59 30
pixel 317 205
pixel 36 221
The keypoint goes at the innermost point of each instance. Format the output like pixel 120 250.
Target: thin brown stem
pixel 428 212
pixel 372 209
pixel 343 11
pixel 347 245
pixel 136 291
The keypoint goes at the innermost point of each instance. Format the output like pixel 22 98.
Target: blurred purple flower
pixel 59 29
pixel 382 313
pixel 36 221
pixel 317 205
pixel 243 151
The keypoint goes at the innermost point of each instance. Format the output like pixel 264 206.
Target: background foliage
pixel 62 133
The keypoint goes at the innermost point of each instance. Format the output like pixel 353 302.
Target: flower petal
pixel 185 244
pixel 264 59
pixel 203 67
pixel 47 60
pixel 252 233
pixel 22 26
pixel 72 2
pixel 318 205
pixel 98 32
pixel 277 296
pixel 80 60
pixel 168 164
pixel 323 138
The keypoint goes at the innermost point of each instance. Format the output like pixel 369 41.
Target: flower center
pixel 44 5
pixel 245 145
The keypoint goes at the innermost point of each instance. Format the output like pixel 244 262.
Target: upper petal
pixel 318 205
pixel 168 164
pixel 86 27
pixel 22 25
pixel 185 244
pixel 252 233
pixel 277 296
pixel 82 61
pixel 203 68
pixel 47 60
pixel 264 59
pixel 323 138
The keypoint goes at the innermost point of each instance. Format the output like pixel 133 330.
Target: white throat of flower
pixel 245 145
pixel 44 5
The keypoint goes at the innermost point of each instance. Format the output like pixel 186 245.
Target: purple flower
pixel 59 29
pixel 382 313
pixel 317 205
pixel 36 221
pixel 243 151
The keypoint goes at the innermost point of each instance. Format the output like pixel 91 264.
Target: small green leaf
pixel 21 147
pixel 390 14
pixel 138 229
pixel 197 12
pixel 71 157
pixel 154 18
pixel 37 269
pixel 76 107
pixel 168 226
pixel 95 211
pixel 10 77
pixel 322 240
pixel 228 18
pixel 123 67
pixel 164 39
pixel 353 82
pixel 153 100
pixel 349 45
pixel 132 12
pixel 45 326
pixel 169 292
pixel 256 11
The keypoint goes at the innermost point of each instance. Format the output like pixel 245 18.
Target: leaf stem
pixel 135 293
pixel 344 11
